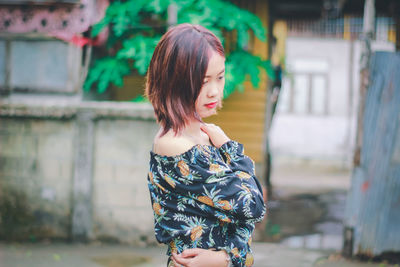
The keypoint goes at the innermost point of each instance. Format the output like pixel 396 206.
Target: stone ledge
pixel 59 109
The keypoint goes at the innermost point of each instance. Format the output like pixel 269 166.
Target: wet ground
pixel 307 220
pixel 306 207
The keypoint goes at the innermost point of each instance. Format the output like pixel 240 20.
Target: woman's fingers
pixel 199 257
pixel 179 260
pixel 186 256
pixel 215 133
pixel 182 261
pixel 191 252
pixel 204 127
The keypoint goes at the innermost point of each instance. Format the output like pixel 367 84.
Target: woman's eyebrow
pixel 222 71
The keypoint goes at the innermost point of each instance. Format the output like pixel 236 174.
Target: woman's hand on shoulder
pixel 215 133
pixel 197 257
pixel 169 145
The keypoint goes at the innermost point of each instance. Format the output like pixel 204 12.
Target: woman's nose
pixel 213 91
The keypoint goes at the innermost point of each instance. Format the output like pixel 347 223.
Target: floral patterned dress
pixel 206 197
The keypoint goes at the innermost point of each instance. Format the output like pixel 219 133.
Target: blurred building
pixel 316 116
pixel 331 74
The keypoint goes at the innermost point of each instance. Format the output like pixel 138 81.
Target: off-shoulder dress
pixel 206 197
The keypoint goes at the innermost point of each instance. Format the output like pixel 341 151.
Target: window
pixel 305 90
pixel 300 94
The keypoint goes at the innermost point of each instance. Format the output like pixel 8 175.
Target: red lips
pixel 211 105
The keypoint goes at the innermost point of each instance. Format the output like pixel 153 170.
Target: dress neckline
pixel 179 156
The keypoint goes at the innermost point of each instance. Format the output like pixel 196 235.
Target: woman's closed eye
pixel 219 78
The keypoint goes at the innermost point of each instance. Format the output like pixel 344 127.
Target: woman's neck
pixel 192 128
pixel 194 132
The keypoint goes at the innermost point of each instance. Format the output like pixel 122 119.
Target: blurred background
pixel 312 91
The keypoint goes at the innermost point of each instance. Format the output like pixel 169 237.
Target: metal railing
pixel 343 28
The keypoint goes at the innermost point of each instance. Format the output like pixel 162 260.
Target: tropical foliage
pixel 137 25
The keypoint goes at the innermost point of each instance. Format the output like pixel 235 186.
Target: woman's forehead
pixel 216 65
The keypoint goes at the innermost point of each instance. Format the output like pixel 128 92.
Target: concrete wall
pixel 36 159
pixel 121 202
pixel 75 171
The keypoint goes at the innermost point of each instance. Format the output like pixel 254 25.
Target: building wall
pixel 38 169
pixel 325 136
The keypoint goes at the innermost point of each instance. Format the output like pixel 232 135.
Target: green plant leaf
pixel 97 28
pixel 140 49
pixel 242 37
pixel 106 71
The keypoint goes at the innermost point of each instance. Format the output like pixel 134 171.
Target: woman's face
pixel 211 93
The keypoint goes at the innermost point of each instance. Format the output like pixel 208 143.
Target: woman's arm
pixel 197 257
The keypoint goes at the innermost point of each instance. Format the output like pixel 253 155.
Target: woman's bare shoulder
pixel 171 145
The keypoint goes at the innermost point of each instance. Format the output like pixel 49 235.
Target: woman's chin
pixel 208 113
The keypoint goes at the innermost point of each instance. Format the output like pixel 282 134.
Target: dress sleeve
pixel 221 181
pixel 238 245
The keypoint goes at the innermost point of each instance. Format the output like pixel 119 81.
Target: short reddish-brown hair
pixel 176 73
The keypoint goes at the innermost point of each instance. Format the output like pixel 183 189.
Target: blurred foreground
pixel 97 255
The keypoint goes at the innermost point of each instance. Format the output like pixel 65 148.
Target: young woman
pixel 205 196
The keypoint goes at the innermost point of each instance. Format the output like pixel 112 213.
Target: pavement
pixel 108 255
